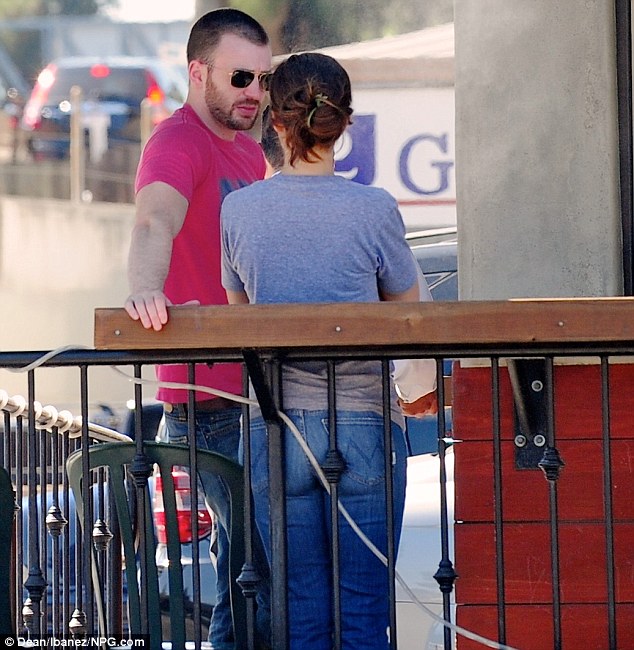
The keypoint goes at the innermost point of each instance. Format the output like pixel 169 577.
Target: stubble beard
pixel 216 106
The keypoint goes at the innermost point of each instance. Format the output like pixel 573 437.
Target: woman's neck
pixel 324 165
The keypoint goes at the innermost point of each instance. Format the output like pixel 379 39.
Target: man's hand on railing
pixel 150 307
pixel 425 405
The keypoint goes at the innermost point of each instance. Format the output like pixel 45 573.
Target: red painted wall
pixel 525 504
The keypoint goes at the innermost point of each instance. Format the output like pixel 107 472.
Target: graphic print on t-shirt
pixel 228 185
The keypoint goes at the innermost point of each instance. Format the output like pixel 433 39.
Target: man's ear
pixel 197 71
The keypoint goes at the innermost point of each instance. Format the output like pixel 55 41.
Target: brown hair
pixel 208 30
pixel 310 98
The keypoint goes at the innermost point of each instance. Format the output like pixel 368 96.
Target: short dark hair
pixel 310 98
pixel 270 142
pixel 208 29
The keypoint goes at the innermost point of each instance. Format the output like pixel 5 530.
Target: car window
pixel 438 263
pixel 443 286
pixel 114 84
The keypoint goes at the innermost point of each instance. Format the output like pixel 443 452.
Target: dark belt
pixel 203 406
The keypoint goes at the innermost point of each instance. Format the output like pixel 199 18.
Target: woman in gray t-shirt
pixel 306 235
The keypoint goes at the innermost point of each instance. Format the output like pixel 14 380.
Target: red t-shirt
pixel 204 168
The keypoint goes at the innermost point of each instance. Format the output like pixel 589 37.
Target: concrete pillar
pixel 536 149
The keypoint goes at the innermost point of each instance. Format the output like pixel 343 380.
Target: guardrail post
pixel 77 149
pixel 268 399
pixel 146 121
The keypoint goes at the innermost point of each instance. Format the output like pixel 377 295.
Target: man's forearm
pixel 149 258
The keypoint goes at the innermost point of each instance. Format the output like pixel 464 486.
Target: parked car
pixel 112 91
pixel 436 251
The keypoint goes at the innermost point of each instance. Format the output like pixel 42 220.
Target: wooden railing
pixel 403 326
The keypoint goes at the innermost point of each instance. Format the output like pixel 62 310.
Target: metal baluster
pixel 35 583
pixel 101 538
pixel 498 508
pixel 193 486
pixel 43 510
pixel 269 393
pixel 333 468
pixel 8 457
pixel 55 525
pixel 140 470
pixel 82 619
pixel 277 495
pixel 19 488
pixel 67 574
pixel 607 496
pixel 114 602
pixel 389 496
pixel 551 465
pixel 446 575
pixel 249 578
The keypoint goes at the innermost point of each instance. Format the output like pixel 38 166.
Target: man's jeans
pixel 364 579
pixel 219 431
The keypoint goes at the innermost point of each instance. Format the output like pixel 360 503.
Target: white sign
pixel 403 139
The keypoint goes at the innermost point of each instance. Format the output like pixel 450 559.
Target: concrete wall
pixel 536 149
pixel 58 262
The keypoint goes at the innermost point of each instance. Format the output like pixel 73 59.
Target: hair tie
pixel 319 100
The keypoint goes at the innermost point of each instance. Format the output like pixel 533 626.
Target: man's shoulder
pixel 182 123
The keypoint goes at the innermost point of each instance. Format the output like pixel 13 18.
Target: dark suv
pixel 112 91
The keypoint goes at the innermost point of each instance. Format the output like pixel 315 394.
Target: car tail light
pixel 32 110
pixel 154 92
pixel 182 491
pixel 99 71
pixel 155 95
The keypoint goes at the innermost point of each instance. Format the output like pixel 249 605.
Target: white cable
pixel 49 355
pixel 47 417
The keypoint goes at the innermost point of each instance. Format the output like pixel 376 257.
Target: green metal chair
pixel 7 513
pixel 143 593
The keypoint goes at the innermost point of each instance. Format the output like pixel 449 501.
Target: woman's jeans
pixel 219 431
pixel 364 579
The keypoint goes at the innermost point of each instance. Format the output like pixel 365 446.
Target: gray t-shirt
pixel 296 239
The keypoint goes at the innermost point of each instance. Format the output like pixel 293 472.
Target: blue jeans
pixel 364 579
pixel 219 431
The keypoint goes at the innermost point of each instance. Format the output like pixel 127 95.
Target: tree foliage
pixel 20 8
pixel 305 24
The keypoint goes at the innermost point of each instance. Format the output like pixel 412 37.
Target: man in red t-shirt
pixel 190 163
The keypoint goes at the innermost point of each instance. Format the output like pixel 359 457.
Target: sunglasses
pixel 244 78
